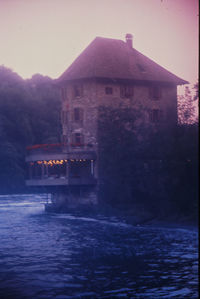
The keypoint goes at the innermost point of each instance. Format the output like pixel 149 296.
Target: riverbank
pixel 133 214
pixel 139 218
pixel 136 216
pixel 88 254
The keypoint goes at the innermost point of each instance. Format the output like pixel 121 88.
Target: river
pixel 74 256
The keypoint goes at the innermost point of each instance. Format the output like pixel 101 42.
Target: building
pixel 108 72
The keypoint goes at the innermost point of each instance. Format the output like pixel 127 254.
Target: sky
pixel 45 36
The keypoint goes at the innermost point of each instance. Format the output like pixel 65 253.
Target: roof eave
pixel 61 81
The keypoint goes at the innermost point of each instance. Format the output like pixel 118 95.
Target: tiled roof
pixel 114 59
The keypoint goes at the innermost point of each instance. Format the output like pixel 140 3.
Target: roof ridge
pixel 113 58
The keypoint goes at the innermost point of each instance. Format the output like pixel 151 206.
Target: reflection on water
pixel 74 256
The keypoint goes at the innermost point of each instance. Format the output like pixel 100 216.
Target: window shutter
pixel 159 92
pixel 65 93
pixel 63 117
pixel 81 114
pixel 156 93
pixel 82 139
pixel 73 138
pixel 78 90
pixel 151 115
pixel 150 92
pixel 62 93
pixel 64 139
pixel 81 90
pixel 122 91
pixel 129 92
pixel 161 115
pixel 76 114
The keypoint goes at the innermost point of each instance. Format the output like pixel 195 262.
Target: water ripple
pixel 74 256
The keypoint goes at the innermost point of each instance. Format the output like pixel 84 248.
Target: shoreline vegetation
pixel 148 177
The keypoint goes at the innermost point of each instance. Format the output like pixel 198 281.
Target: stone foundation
pixel 72 198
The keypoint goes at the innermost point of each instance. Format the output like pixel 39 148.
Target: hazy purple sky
pixel 45 36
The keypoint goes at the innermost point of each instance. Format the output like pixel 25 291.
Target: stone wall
pixel 92 96
pixel 74 198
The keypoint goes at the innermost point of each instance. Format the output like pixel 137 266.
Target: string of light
pixel 58 162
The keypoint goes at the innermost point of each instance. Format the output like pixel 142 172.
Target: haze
pixel 45 36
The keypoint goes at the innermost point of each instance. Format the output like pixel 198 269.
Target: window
pixel 64 117
pixel 64 93
pixel 78 114
pixel 156 115
pixel 108 90
pixel 141 68
pixel 77 139
pixel 126 91
pixel 155 93
pixel 78 90
pixel 64 139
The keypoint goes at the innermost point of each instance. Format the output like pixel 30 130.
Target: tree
pixel 187 112
pixel 153 170
pixel 29 114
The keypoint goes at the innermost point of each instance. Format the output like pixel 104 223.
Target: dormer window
pixel 78 90
pixel 126 91
pixel 155 93
pixel 108 90
pixel 141 68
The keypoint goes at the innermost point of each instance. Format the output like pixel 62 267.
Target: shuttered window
pixel 108 90
pixel 155 93
pixel 77 139
pixel 63 117
pixel 78 114
pixel 126 91
pixel 64 93
pixel 78 90
pixel 156 115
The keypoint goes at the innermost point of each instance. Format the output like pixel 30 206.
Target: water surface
pixel 74 256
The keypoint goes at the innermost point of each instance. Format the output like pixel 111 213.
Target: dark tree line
pixel 153 171
pixel 29 114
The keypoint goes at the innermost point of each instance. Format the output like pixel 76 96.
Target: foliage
pixel 158 172
pixel 187 111
pixel 29 114
pixel 196 89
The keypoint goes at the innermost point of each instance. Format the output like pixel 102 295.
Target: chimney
pixel 129 40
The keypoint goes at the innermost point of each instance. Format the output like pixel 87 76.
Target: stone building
pixel 108 72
